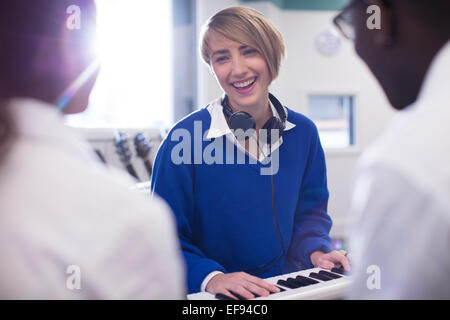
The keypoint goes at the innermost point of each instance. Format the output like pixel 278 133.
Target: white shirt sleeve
pixel 148 252
pixel 400 238
pixel 207 278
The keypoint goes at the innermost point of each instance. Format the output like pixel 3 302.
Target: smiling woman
pixel 238 223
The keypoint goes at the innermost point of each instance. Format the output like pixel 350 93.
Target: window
pixel 134 87
pixel 333 116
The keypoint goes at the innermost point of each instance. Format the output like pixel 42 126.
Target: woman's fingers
pixel 261 283
pixel 333 259
pixel 242 291
pixel 240 284
pixel 256 290
pixel 325 264
pixel 338 257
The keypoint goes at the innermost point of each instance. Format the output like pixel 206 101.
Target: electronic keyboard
pixel 311 284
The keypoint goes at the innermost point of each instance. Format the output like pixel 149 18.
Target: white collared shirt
pixel 219 127
pixel 64 216
pixel 401 200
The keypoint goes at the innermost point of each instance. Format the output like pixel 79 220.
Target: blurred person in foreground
pixel 401 197
pixel 70 228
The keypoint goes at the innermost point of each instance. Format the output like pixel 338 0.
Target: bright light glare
pixel 134 87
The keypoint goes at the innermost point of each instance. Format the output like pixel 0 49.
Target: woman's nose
pixel 239 68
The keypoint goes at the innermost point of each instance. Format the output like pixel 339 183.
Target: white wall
pixel 306 71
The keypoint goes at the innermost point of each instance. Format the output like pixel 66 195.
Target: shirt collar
pixel 34 117
pixel 43 123
pixel 219 125
pixel 435 86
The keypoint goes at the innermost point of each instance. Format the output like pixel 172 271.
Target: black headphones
pixel 244 121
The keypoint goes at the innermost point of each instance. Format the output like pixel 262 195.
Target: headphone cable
pixel 272 262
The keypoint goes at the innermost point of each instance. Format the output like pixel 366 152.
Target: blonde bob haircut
pixel 248 27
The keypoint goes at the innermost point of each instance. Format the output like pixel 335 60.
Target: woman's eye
pixel 250 51
pixel 221 59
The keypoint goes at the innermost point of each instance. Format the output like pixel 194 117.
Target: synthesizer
pixel 311 284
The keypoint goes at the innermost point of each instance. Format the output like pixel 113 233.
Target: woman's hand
pixel 240 283
pixel 330 260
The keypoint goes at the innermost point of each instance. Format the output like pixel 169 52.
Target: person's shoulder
pixel 117 188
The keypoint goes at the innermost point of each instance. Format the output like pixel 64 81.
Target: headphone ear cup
pixel 240 122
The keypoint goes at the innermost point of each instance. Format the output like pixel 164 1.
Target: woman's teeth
pixel 241 85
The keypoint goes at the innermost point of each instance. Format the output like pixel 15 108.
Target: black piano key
pixel 221 296
pixel 238 296
pixel 307 280
pixel 287 284
pixel 300 282
pixel 282 283
pixel 329 274
pixel 319 276
pixel 303 282
pixel 281 290
pixel 293 284
pixel 338 270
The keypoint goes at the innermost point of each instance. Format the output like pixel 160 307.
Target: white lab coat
pixel 68 221
pixel 401 200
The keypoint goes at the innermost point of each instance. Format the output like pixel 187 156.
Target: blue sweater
pixel 224 211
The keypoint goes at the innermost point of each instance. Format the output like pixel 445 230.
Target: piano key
pixel 307 280
pixel 340 270
pixel 319 276
pixel 225 297
pixel 221 296
pixel 270 292
pixel 288 284
pixel 299 282
pixel 281 290
pixel 329 274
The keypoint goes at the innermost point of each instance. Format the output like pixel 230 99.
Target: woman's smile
pixel 245 86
